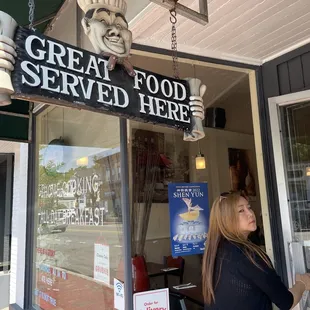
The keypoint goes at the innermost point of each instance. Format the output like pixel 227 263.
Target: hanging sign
pixel 53 72
pixel 189 217
pixel 152 300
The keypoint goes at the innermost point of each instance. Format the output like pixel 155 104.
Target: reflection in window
pixel 296 143
pixel 78 212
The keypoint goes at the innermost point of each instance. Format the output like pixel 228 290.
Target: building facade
pixel 90 190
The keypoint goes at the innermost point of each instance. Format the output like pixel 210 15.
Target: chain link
pixel 174 44
pixel 31 6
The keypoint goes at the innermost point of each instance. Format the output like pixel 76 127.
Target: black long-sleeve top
pixel 244 286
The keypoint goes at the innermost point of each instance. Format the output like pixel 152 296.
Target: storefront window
pixel 296 143
pixel 78 234
pixel 160 157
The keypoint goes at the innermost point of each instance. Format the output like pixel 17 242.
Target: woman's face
pixel 246 216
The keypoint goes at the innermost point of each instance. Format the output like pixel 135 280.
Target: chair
pixel 177 262
pixel 176 302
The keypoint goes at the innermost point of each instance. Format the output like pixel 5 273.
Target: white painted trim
pixel 260 165
pixel 288 99
pixel 287 228
pixel 19 223
pixel 281 184
pixel 287 50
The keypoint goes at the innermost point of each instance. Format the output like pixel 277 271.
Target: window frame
pixel 30 231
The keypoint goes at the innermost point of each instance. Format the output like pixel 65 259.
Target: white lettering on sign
pixel 161 98
pixel 164 108
pixel 78 217
pixel 74 60
pixel 77 186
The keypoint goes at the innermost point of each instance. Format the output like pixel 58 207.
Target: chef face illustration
pixel 108 31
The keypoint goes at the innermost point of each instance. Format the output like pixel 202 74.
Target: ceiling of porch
pixel 220 82
pixel 246 31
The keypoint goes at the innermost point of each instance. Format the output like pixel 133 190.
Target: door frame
pixel 274 104
pixel 5 277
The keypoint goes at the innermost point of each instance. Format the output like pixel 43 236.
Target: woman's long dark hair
pixel 224 225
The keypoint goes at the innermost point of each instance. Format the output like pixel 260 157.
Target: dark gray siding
pixel 286 74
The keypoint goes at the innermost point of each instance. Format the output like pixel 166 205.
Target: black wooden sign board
pixel 53 72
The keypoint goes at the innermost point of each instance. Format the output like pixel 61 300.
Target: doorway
pixel 6 185
pixel 289 118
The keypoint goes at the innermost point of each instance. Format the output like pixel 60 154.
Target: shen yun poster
pixel 189 217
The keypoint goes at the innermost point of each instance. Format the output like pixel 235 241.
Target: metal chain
pixel 174 43
pixel 31 6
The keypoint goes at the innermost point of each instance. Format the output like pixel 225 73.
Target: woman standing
pixel 238 275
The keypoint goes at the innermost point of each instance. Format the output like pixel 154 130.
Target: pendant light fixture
pixel 200 159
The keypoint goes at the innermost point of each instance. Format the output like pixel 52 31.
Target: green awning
pixel 14 119
pixel 45 10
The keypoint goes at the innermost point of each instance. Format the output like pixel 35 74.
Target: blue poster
pixel 189 217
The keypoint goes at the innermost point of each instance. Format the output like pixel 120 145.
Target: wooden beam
pixel 203 7
pixel 183 10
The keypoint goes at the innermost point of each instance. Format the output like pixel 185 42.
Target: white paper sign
pixel 152 300
pixel 119 297
pixel 102 263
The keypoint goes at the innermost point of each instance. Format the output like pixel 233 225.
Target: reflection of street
pixel 74 248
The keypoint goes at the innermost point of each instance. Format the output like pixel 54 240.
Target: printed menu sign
pixel 102 263
pixel 189 217
pixel 152 300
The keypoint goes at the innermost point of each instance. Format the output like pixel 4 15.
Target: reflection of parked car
pixel 47 228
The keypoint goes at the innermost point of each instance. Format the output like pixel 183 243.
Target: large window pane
pixel 78 232
pixel 296 144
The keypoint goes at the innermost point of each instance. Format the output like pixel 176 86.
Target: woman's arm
pixel 297 290
pixel 302 284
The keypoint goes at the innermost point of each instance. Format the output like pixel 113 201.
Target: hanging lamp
pixel 200 160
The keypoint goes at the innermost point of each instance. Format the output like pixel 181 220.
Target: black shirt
pixel 244 286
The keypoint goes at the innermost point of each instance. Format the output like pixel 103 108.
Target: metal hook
pixel 173 17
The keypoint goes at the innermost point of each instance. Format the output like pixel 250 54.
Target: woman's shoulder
pixel 230 251
pixel 231 247
pixel 237 253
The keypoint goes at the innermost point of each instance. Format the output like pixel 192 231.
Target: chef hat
pixel 117 6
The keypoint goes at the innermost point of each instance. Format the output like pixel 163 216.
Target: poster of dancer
pixel 189 217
